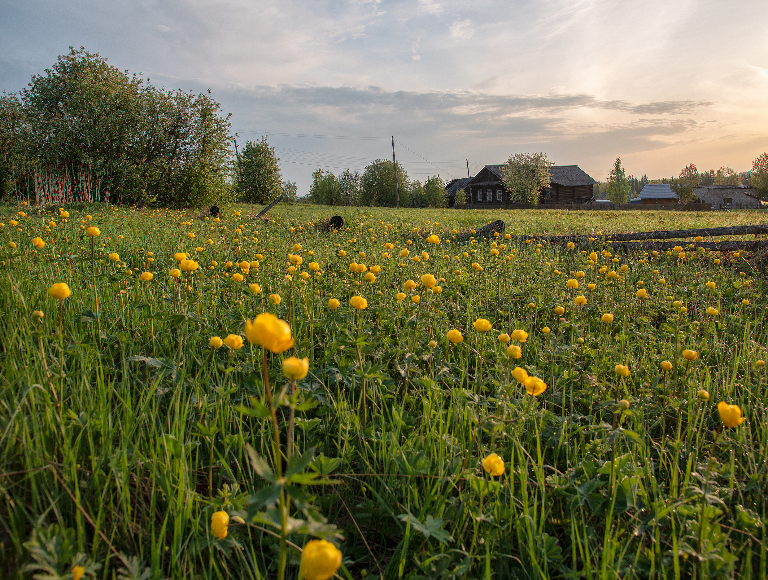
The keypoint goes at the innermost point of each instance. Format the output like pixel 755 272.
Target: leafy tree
pixel 257 174
pixel 325 188
pixel 350 187
pixel 377 184
pixel 12 128
pixel 434 192
pixel 461 198
pixel 416 197
pixel 142 142
pixel 727 176
pixel 525 175
pixel 759 176
pixel 618 186
pixel 684 184
pixel 289 190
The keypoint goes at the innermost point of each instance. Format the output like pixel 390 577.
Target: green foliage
pixel 377 185
pixel 727 176
pixel 325 189
pixel 525 175
pixel 759 176
pixel 350 187
pixel 434 192
pixel 619 188
pixel 461 198
pixel 144 143
pixel 684 184
pixel 257 174
pixel 289 190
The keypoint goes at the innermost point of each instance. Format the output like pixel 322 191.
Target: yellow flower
pixel 295 368
pixel 254 288
pixel 519 335
pixel 180 256
pixel 188 265
pixel 607 318
pixel 433 239
pixel 238 277
pixel 623 405
pixel 454 336
pixel 666 365
pixel 759 363
pixel 622 370
pixel 59 291
pixel 429 281
pixel 268 331
pixel 409 285
pixel 400 296
pixel 114 256
pixel 690 355
pixel 712 311
pixel 535 386
pixel 219 524
pixel 319 560
pixel 580 300
pixel 711 285
pixel 572 284
pixel 314 266
pixel 38 242
pixel 545 330
pixel 514 351
pixel 275 299
pixel 333 304
pixel 93 231
pixel 730 414
pixel 370 277
pixel 432 344
pixel 216 343
pixel 234 341
pixel 415 298
pixel 358 303
pixel 642 293
pixel 570 245
pixel 559 310
pixel 520 375
pixel 146 276
pixel 503 337
pixel 493 465
pixel 745 302
pixel 38 314
pixel 703 395
pixel 77 572
pixel 175 273
pixel 482 325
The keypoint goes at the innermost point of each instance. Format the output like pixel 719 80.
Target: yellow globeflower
pixel 572 284
pixel 642 293
pixel 234 341
pixel 268 331
pixel 370 277
pixel 179 256
pixel 219 524
pixel 93 231
pixel 711 285
pixel 482 325
pixel 188 265
pixel 333 304
pixel 275 299
pixel 690 355
pixel 520 375
pixel 400 296
pixel 358 303
pixel 416 299
pixel 77 572
pixel 712 311
pixel 254 288
pixel 454 336
pixel 730 414
pixel 114 256
pixel 666 365
pixel 514 351
pixel 38 242
pixel 607 318
pixel 503 338
pixel 59 291
pixel 319 560
pixel 494 465
pixel 295 368
pixel 559 310
pixel 580 300
pixel 545 330
pixel 622 370
pixel 409 285
pixel 216 343
pixel 146 276
pixel 429 281
pixel 175 273
pixel 535 386
pixel 237 277
pixel 519 335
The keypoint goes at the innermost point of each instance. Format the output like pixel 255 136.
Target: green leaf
pixel 297 464
pixel 260 465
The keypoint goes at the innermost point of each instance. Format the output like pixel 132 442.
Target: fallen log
pixel 757 229
pixel 486 231
pixel 269 207
pixel 724 246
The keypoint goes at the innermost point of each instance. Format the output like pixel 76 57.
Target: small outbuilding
pixel 728 196
pixel 655 194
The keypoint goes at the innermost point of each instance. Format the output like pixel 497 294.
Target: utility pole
pixel 468 168
pixel 394 164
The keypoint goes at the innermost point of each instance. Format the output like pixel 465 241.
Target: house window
pixel 488 195
pixel 728 201
pixel 479 195
pixel 498 195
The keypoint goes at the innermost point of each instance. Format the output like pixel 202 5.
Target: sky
pixel 659 83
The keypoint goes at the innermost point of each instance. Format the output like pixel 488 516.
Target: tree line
pixel 85 130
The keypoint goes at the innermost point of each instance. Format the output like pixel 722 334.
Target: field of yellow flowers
pixel 190 397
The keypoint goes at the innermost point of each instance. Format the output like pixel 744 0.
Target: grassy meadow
pixel 127 427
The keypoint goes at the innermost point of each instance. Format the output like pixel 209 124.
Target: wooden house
pixel 568 184
pixel 655 194
pixel 727 196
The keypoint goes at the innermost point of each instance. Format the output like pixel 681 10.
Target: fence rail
pixel 614 206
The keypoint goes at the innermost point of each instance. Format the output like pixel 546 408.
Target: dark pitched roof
pixel 567 175
pixel 456 184
pixel 657 191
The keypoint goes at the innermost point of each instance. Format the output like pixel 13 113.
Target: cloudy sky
pixel 659 83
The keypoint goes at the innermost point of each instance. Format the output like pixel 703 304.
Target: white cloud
pixel 163 28
pixel 462 30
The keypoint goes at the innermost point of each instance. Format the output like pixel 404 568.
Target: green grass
pixel 122 435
